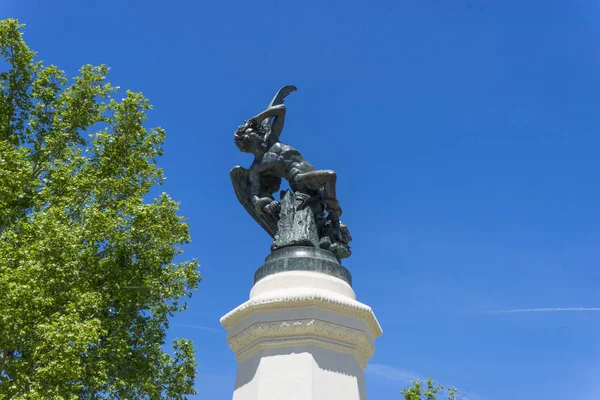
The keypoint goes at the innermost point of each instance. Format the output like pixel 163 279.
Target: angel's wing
pixel 282 94
pixel 278 99
pixel 241 185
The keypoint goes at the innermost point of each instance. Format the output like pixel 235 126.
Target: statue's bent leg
pixel 325 179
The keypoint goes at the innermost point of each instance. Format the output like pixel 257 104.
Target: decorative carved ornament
pixel 339 304
pixel 310 331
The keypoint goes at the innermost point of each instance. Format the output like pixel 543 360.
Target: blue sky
pixel 465 137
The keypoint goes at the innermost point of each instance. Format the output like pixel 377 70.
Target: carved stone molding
pixel 305 299
pixel 302 332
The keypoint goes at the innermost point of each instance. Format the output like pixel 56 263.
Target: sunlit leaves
pixel 87 272
pixel 429 390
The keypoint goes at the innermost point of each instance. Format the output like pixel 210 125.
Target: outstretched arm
pixel 261 204
pixel 277 124
pixel 276 112
pixel 254 188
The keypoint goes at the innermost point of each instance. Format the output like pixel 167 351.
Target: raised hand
pixel 273 207
pixel 266 205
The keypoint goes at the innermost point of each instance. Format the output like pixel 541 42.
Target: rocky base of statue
pixel 302 335
pixel 302 222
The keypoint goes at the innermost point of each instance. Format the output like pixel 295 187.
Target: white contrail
pixel 526 310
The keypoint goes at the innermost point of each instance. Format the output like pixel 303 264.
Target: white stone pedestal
pixel 301 336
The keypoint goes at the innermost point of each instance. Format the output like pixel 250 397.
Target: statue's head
pixel 250 137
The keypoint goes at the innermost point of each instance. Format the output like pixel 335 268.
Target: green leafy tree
pixel 429 390
pixel 87 272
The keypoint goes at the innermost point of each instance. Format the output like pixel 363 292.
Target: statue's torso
pixel 281 161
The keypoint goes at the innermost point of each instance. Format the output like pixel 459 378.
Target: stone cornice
pixel 301 298
pixel 308 331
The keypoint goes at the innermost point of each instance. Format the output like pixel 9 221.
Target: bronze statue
pixel 307 216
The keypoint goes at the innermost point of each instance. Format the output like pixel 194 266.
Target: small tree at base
pixel 428 390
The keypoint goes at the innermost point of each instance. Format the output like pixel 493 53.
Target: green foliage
pixel 428 390
pixel 87 272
